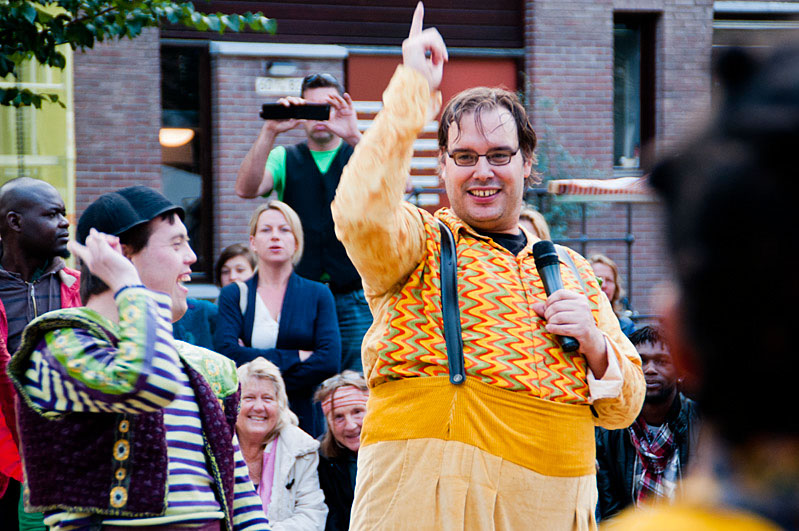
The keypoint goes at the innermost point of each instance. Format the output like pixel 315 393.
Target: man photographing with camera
pixel 305 176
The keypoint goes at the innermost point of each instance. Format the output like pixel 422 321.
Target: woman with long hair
pixel 280 316
pixel 281 458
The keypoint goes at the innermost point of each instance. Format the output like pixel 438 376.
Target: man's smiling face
pixel 484 196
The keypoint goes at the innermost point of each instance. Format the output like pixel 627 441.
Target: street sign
pixel 278 86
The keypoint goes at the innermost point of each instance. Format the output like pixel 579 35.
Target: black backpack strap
pixel 450 312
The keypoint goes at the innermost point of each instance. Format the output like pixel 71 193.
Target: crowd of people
pixel 370 365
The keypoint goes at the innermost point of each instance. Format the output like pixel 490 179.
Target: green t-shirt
pixel 276 165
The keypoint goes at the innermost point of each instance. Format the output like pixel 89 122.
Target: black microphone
pixel 547 262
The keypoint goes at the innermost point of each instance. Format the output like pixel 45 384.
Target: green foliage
pixel 34 29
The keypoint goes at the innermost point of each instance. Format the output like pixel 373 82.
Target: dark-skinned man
pixel 33 280
pixel 647 460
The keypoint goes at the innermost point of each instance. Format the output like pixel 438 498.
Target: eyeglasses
pixel 495 157
pixel 316 78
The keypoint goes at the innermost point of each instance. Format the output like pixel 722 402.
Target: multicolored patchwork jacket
pixel 92 421
pixel 512 363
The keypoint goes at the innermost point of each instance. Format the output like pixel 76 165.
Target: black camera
pixel 309 111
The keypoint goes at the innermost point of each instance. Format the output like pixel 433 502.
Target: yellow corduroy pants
pixel 432 484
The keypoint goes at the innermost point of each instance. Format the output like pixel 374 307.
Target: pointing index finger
pixel 418 19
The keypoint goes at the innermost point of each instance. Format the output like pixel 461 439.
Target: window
pixel 40 143
pixel 633 87
pixel 186 144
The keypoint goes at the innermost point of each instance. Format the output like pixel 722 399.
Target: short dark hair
pixel 232 251
pixel 745 162
pixel 478 99
pixel 135 239
pixel 646 334
pixel 320 80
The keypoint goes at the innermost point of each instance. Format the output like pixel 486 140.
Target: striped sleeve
pixel 248 513
pixel 73 370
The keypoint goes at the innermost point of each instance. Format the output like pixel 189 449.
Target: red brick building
pixel 610 83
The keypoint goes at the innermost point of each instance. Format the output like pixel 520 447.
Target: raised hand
pixel 102 254
pixel 424 50
pixel 343 120
pixel 281 126
pixel 568 314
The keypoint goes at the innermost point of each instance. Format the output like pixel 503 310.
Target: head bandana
pixel 346 395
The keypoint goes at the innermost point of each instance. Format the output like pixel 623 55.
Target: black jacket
pixel 616 456
pixel 339 489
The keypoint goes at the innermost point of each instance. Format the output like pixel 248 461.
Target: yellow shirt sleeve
pixel 384 236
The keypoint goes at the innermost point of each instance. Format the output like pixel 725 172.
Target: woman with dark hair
pixel 278 315
pixel 235 262
pixel 343 398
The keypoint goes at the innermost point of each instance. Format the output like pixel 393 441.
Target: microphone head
pixel 545 254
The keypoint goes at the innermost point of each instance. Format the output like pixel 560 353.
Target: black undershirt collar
pixel 513 243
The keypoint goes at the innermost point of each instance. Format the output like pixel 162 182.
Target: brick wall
pixel 568 71
pixel 117 117
pixel 236 125
pixel 569 74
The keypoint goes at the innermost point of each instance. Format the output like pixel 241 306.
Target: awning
pixel 623 189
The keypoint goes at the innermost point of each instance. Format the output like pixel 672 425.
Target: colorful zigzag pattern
pixel 505 342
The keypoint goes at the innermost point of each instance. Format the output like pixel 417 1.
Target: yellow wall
pixel 48 134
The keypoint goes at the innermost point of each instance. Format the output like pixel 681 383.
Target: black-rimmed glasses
pixel 495 157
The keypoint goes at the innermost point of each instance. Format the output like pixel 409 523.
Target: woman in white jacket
pixel 282 459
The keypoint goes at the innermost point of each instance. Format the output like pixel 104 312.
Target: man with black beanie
pixel 120 424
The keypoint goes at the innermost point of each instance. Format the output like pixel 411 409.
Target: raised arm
pixel 74 370
pixel 80 366
pixel 383 236
pixel 253 179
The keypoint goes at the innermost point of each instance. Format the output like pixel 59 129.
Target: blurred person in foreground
pixel 648 460
pixel 281 316
pixel 281 458
pixel 607 272
pixel 236 262
pixel 748 458
pixel 512 445
pixel 122 426
pixel 343 398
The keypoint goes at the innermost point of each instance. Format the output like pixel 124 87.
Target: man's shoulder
pixel 75 317
pixel 218 370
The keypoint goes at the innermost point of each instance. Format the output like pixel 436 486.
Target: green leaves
pixel 35 29
pixel 24 97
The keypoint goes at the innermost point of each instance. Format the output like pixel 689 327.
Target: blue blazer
pixel 307 322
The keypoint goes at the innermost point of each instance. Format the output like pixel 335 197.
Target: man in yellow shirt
pixel 513 445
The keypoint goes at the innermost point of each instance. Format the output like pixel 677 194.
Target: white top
pixel 264 326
